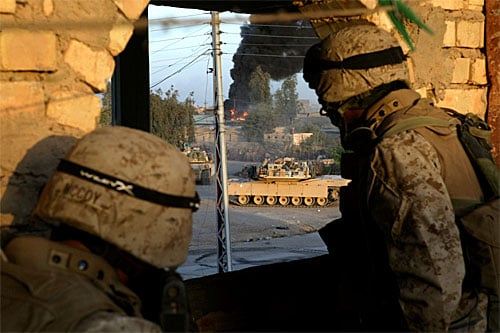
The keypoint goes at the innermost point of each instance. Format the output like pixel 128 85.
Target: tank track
pixel 330 203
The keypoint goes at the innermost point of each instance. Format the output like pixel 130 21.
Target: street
pixel 259 235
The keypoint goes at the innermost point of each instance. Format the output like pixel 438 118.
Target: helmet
pixel 353 61
pixel 129 188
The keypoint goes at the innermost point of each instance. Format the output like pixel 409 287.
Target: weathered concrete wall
pixel 55 55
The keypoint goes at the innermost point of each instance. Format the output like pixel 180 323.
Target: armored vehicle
pixel 202 164
pixel 286 183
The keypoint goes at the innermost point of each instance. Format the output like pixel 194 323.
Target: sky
pixel 180 53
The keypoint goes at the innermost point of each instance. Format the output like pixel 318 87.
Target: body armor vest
pixel 356 237
pixel 39 291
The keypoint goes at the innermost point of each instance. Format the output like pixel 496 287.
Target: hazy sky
pixel 180 52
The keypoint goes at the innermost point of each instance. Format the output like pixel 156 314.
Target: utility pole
pixel 223 235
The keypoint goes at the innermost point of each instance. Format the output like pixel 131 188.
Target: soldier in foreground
pixel 411 179
pixel 120 204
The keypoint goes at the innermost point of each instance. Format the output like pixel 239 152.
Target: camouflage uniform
pixel 128 197
pixel 43 290
pixel 407 186
pixel 411 183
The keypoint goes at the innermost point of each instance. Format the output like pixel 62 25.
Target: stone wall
pixel 56 55
pixel 448 66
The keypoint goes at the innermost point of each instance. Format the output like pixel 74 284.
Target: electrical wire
pixel 178 71
pixel 176 38
pixel 196 57
pixel 273 36
pixel 268 55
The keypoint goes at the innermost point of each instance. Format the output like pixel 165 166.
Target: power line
pixel 193 53
pixel 166 29
pixel 268 55
pixel 177 48
pixel 275 36
pixel 263 44
pixel 298 27
pixel 176 38
pixel 178 71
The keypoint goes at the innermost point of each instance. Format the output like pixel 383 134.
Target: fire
pixel 243 116
pixel 234 117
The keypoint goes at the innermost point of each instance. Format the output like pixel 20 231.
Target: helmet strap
pixel 126 187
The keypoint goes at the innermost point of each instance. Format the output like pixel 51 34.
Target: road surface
pixel 259 235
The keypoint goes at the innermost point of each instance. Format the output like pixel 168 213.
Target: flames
pixel 236 116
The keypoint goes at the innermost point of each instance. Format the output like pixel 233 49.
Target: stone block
pixel 75 109
pixel 449 37
pixel 466 100
pixel 449 4
pixel 21 96
pixel 470 34
pixel 94 66
pixel 119 36
pixel 48 7
pixel 132 8
pixel 27 50
pixel 478 73
pixel 461 70
pixel 477 5
pixel 8 6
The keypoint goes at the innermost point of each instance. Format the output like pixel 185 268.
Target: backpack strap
pixel 473 132
pixel 412 123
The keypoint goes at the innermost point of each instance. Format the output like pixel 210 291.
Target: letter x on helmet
pixel 129 188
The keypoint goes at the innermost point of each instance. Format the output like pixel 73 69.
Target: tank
pixel 285 183
pixel 202 164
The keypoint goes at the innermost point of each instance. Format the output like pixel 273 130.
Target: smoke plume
pixel 279 49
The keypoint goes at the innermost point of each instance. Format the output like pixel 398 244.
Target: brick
pixel 466 100
pixel 461 70
pixel 119 36
pixel 75 109
pixel 94 66
pixel 477 5
pixel 478 75
pixel 25 50
pixel 21 97
pixel 370 4
pixel 132 8
pixel 48 7
pixel 470 34
pixel 449 4
pixel 449 38
pixel 8 6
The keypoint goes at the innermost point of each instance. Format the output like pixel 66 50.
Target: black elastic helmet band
pixel 128 188
pixel 391 56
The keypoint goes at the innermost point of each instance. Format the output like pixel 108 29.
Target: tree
pixel 106 111
pixel 286 104
pixel 260 117
pixel 172 120
pixel 260 91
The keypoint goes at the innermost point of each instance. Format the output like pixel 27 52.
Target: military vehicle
pixel 285 183
pixel 202 164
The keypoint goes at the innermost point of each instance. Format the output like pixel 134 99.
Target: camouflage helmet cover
pixel 353 61
pixel 129 188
